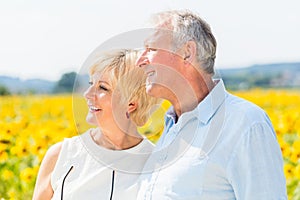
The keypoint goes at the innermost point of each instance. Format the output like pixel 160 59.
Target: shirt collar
pixel 171 114
pixel 209 105
pixel 205 109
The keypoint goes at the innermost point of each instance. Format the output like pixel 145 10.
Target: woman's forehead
pixel 101 76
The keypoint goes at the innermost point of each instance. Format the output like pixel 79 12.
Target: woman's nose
pixel 142 60
pixel 89 93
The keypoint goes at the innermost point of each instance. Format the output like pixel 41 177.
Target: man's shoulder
pixel 244 110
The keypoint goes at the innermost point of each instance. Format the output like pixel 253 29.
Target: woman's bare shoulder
pixel 43 188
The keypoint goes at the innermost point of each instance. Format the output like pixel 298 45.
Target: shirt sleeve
pixel 255 169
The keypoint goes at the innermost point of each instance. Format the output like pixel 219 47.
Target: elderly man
pixel 215 145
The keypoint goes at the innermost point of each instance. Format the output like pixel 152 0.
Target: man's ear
pixel 132 106
pixel 190 51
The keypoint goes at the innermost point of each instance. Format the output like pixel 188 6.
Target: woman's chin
pixel 91 120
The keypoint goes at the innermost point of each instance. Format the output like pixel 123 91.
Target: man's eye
pixel 90 82
pixel 151 49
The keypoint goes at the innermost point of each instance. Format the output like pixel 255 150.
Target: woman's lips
pixel 93 108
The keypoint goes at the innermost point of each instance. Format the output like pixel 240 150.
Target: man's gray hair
pixel 187 26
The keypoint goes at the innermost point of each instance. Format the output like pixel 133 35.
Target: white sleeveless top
pixel 96 172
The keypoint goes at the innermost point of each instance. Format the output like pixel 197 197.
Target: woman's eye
pixel 103 88
pixel 90 82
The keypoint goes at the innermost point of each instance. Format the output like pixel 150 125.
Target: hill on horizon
pixel 17 86
pixel 277 75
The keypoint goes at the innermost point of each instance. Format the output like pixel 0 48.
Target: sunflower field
pixel 29 125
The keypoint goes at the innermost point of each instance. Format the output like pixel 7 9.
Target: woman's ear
pixel 132 106
pixel 190 51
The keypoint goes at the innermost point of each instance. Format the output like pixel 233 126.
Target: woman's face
pixel 99 99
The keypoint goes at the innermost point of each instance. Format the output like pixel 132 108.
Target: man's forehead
pixel 159 38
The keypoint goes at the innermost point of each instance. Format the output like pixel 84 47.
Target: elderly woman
pixel 104 162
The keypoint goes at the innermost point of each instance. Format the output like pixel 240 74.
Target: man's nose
pixel 142 60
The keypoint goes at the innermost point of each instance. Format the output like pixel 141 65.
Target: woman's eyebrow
pixel 101 81
pixel 96 80
pixel 105 82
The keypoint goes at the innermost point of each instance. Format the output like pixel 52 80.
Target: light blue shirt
pixel 225 148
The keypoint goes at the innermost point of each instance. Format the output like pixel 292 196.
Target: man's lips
pixel 150 73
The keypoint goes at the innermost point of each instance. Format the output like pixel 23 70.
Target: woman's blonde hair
pixel 129 79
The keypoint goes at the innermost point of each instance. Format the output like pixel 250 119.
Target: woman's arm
pixel 43 189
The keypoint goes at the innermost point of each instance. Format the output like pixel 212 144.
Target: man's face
pixel 162 64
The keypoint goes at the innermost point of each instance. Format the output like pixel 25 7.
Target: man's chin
pixel 152 90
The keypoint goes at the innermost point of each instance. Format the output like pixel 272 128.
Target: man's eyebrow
pixel 148 41
pixel 146 44
pixel 149 45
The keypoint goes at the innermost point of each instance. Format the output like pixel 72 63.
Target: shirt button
pixel 202 154
pixel 162 158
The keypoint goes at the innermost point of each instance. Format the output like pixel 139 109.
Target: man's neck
pixel 188 101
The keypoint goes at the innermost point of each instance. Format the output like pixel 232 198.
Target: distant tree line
pixel 282 75
pixel 63 85
pixel 4 91
pixel 66 83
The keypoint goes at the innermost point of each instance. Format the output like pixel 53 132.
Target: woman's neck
pixel 116 139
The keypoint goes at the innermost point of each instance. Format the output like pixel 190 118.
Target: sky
pixel 44 39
